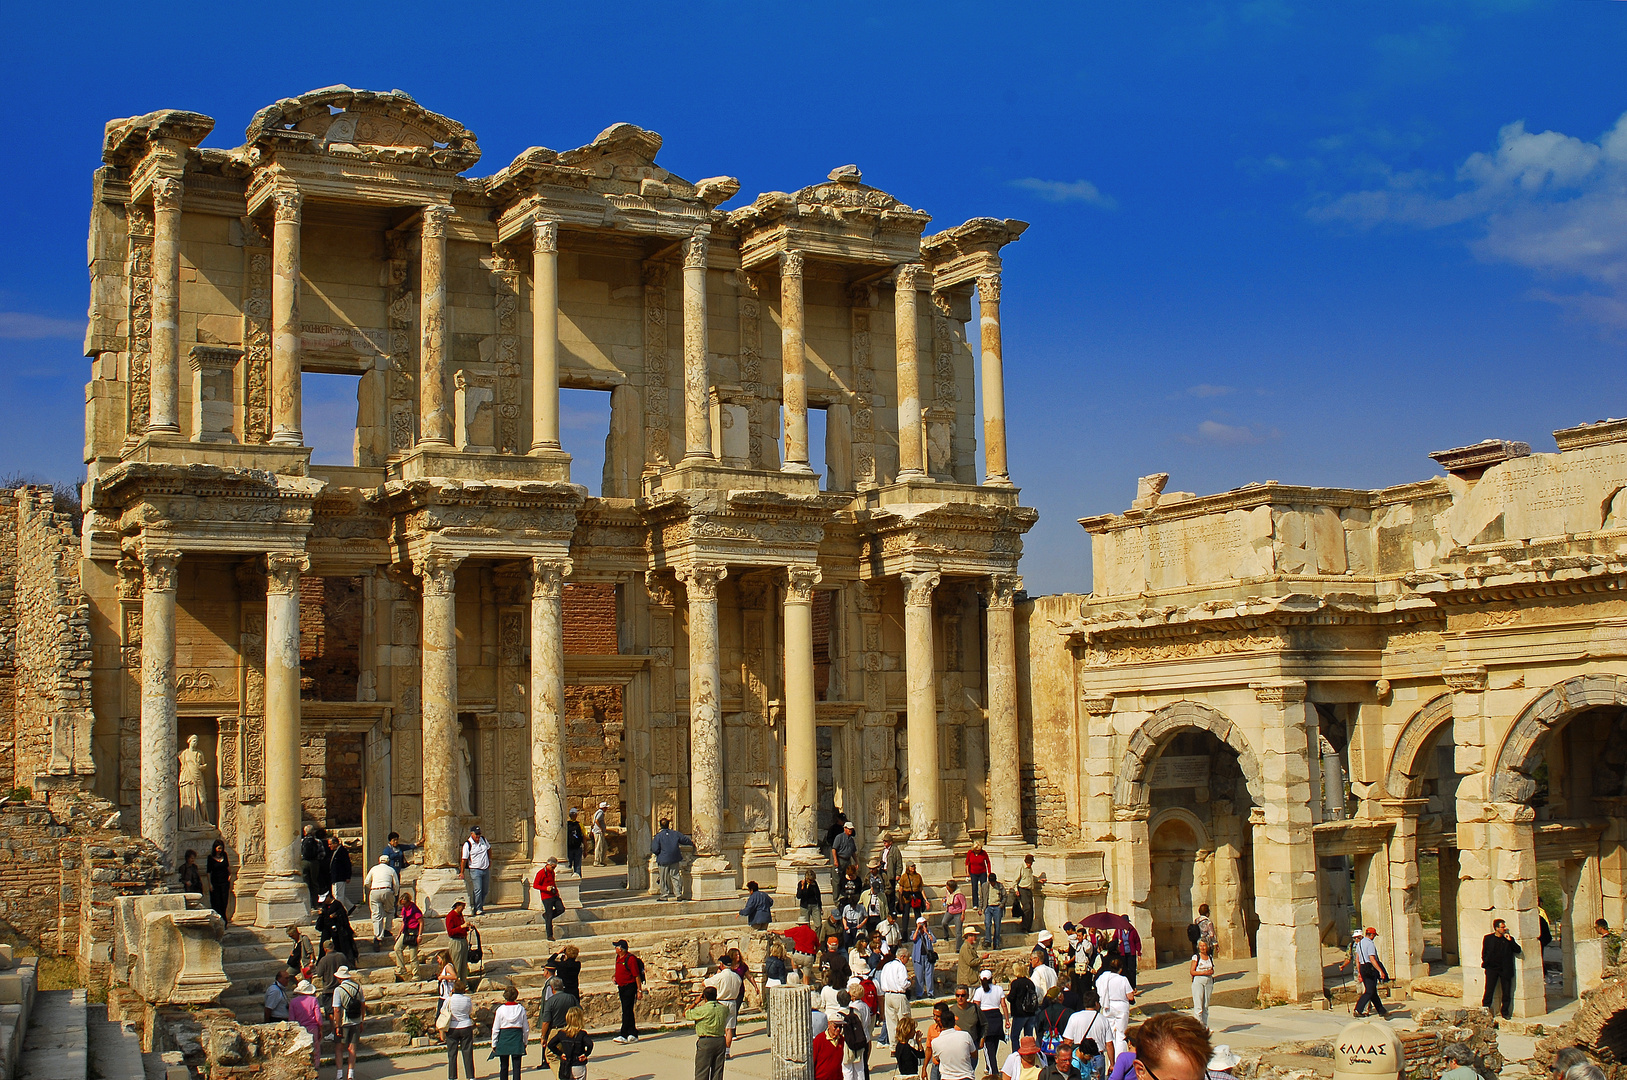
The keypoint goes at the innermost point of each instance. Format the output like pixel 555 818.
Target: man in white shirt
pixel 953 1051
pixel 1089 1023
pixel 600 835
pixel 382 885
pixel 1116 994
pixel 1041 974
pixel 894 983
pixel 475 864
pixel 728 987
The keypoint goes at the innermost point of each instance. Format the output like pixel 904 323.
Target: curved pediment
pixel 363 123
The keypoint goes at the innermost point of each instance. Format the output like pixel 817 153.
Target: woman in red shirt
pixel 977 870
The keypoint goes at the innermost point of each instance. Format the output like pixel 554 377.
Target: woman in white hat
pixel 306 1011
pixel 1222 1062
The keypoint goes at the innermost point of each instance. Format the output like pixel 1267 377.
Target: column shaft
pixel 281 897
pixel 545 336
pixel 286 421
pixel 442 827
pixel 911 447
pixel 793 349
pixel 164 377
pixel 434 418
pixel 994 382
pixel 705 718
pixel 1285 874
pixel 548 707
pixel 160 772
pixel 801 724
pixel 926 803
pixel 1005 792
pixel 697 382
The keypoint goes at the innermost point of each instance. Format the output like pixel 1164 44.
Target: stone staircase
pixel 70 1040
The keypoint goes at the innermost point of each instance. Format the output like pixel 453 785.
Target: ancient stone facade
pixel 1281 699
pixel 346 236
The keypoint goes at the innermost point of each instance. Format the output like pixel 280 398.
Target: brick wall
pixel 330 638
pixel 590 618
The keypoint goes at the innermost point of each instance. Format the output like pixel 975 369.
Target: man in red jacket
pixel 552 905
pixel 630 985
pixel 827 1051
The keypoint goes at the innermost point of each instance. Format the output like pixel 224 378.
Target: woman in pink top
pixel 977 871
pixel 954 911
pixel 306 1011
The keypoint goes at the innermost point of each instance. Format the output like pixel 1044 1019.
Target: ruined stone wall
pixel 8 639
pixel 594 729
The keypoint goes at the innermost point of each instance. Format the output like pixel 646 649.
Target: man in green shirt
pixel 711 1019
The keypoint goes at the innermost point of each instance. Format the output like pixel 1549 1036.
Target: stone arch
pixel 1405 775
pixel 1200 831
pixel 1521 749
pixel 1130 790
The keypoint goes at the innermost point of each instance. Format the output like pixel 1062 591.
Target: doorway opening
pixel 329 412
pixel 585 433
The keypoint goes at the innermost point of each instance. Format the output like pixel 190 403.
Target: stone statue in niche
pixel 466 772
pixel 194 800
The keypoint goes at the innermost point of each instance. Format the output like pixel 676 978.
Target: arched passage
pixel 1423 771
pixel 1149 739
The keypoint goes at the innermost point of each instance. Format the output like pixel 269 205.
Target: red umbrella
pixel 1105 920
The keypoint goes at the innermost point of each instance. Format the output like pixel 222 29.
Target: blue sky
pixel 1270 240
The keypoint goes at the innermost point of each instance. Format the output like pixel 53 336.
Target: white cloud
pixel 22 324
pixel 1208 390
pixel 1214 433
pixel 1065 191
pixel 1546 201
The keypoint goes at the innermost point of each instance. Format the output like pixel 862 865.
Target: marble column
pixel 793 350
pixel 1005 792
pixel 801 724
pixel 286 421
pixel 282 897
pixel 548 707
pixel 710 876
pixel 911 444
pixel 434 416
pixel 160 750
pixel 926 802
pixel 544 337
pixel 790 1020
pixel 440 885
pixel 994 382
pixel 697 381
pixel 164 376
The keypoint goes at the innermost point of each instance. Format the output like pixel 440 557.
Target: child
pixel 907 1048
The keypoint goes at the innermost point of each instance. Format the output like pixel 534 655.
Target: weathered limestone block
pixel 175 952
pixel 790 1023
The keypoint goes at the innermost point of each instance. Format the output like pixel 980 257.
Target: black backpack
pixel 353 1001
pixel 1193 933
pixel 852 1037
pixel 1024 997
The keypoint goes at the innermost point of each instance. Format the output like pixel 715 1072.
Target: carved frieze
pixel 139 276
pixel 256 335
pixel 1186 649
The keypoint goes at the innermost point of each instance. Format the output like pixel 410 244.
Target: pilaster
pixel 1284 851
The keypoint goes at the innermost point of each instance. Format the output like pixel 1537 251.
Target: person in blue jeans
pixel 474 862
pixel 994 911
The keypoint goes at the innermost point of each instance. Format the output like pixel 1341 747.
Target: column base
pixel 439 887
pixel 935 863
pixel 712 878
pixel 796 862
pixel 802 468
pixel 287 437
pixel 998 481
pixel 282 900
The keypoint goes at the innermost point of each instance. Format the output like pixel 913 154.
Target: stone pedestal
pixel 712 878
pixel 174 954
pixel 790 1025
pixel 439 887
pixel 790 867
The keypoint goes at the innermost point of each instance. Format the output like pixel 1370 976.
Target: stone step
pixel 115 1050
pixel 56 1045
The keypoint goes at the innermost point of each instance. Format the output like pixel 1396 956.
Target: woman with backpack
pixel 1052 1018
pixel 1023 998
pixel 1203 982
pixel 572 1045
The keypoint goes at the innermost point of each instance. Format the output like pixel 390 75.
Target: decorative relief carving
pixel 1469 679
pixel 199 686
pixel 1285 692
pixel 438 572
pixel 657 398
pixel 158 570
pixel 660 590
pixel 791 264
pixel 506 355
pixel 402 374
pixel 545 236
pixel 1216 645
pixel 695 250
pixel 129 579
pixel 908 276
pixel 548 577
pixel 167 194
pixel 919 587
pixel 800 582
pixel 1098 705
pixel 864 417
pixel 1002 590
pixel 988 288
pixel 256 339
pixel 701 581
pixel 511 638
pixel 283 570
pixel 139 276
pixel 287 206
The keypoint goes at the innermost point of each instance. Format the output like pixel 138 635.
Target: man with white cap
pixel 349 1010
pixel 1222 1061
pixel 601 843
pixel 1046 950
pixel 382 885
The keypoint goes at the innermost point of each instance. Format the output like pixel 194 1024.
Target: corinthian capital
pixel 548 577
pixel 988 288
pixel 439 573
pixel 908 276
pixel 545 235
pixel 1002 589
pixel 158 570
pixel 435 216
pixel 286 207
pixel 166 193
pixel 695 251
pixel 791 264
pixel 799 583
pixel 701 581
pixel 283 570
pixel 919 587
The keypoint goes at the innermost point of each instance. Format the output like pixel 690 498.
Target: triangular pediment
pixel 365 124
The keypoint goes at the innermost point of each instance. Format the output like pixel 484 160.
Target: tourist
pixel 856 1018
pixel 828 1047
pixel 305 1010
pixel 1040 971
pixel 804 941
pixel 776 972
pixel 333 925
pixel 219 869
pixel 834 831
pixel 457 1012
pixel 303 955
pixel 191 876
pixel 833 965
pixel 474 863
pixel 1206 927
pixel 547 885
pixel 667 847
pixel 994 912
pixel 601 836
pixel 575 842
pixel 954 911
pixel 396 851
pixel 969 960
pixel 1087 1037
pixel 448 976
pixel 890 933
pixel 912 891
pixel 566 964
pixel 1497 952
pixel 907 1048
pixel 924 958
pixel 412 928
pixel 1023 997
pixel 510 1031
pixel 556 1003
pixel 892 868
pixel 894 983
pixel 1027 889
pixel 339 871
pixel 759 907
pixel 1202 970
pixel 852 919
pixel 276 1002
pixel 1612 941
pixel 1371 969
pixel 349 1011
pixel 1585 1072
pixel 572 1045
pixel 1172 1046
pixel 325 972
pixel 810 899
pixel 629 979
pixel 977 871
pixel 1567 1059
pixel 457 939
pixel 1026 1063
pixel 1222 1062
pixel 382 883
pixel 1052 1019
pixel 311 856
pixel 873 900
pixel 1462 1060
pixel 729 988
pixel 711 1019
pixel 849 888
pixel 994 1011
pixel 954 1050
pixel 1117 995
pixel 968 1017
pixel 860 960
pixel 844 856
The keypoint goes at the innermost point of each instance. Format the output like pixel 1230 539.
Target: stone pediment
pixel 125 142
pixel 383 127
pixel 842 218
